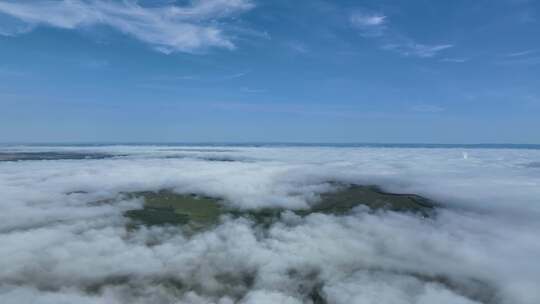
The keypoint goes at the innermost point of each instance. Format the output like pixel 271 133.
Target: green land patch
pixel 167 207
pixel 350 196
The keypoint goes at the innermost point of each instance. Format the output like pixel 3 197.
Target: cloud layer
pixel 167 28
pixel 59 247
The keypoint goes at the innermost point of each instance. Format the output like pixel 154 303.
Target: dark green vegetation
pixel 20 156
pixel 348 197
pixel 167 207
pixel 214 158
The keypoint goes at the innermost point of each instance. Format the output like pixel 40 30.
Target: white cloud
pixel 252 90
pixel 367 20
pixel 298 47
pixel 411 48
pixel 482 248
pixel 522 58
pixel 521 53
pixel 376 26
pixel 168 28
pixel 236 75
pixel 369 25
pixel 427 108
pixel 455 60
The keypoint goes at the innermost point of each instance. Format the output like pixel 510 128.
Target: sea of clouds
pixel 59 246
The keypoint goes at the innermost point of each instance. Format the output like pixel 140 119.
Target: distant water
pixel 277 144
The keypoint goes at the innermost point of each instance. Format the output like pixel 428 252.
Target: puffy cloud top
pixel 60 246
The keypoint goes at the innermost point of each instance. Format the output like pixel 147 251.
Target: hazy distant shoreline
pixel 279 144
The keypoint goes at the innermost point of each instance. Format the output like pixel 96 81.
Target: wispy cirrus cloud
pixel 369 24
pixel 298 47
pixel 522 53
pixel 236 75
pixel 252 90
pixel 427 108
pixel 455 60
pixel 376 25
pixel 521 58
pixel 417 49
pixel 167 28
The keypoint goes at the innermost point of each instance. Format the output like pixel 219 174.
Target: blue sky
pixel 288 71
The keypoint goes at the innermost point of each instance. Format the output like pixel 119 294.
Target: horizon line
pixel 244 143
